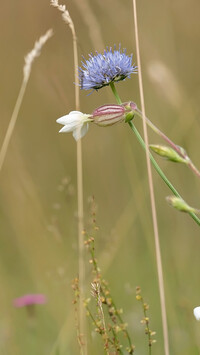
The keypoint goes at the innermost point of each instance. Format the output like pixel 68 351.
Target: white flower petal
pixel 80 131
pixel 76 122
pixel 74 112
pixel 75 116
pixel 196 312
pixel 67 128
pixel 77 133
pixel 62 120
pixel 84 129
pixel 71 118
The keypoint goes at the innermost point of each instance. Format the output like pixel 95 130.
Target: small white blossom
pixel 196 312
pixel 76 122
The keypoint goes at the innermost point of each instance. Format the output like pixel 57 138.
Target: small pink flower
pixel 30 299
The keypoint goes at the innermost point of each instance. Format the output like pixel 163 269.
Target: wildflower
pixel 28 300
pixel 102 69
pixel 106 115
pixel 196 312
pixel 76 122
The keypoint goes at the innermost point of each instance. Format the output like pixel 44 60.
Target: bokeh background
pixel 38 195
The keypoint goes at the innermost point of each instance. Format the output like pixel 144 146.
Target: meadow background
pixel 38 197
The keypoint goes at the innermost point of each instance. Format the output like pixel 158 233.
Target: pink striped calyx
pixel 110 114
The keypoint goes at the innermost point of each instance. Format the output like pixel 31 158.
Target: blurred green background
pixel 38 195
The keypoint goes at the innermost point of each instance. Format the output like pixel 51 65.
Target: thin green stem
pixel 112 85
pixel 178 149
pixel 159 171
pixel 156 166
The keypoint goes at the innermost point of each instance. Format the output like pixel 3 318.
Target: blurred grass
pixel 38 221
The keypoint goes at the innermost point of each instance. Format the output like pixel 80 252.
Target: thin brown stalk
pixel 79 193
pixel 29 59
pixel 152 197
pixel 82 324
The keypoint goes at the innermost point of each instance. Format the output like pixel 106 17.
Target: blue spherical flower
pixel 102 69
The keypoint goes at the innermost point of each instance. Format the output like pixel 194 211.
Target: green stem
pixel 159 171
pixel 112 85
pixel 154 163
pixel 178 149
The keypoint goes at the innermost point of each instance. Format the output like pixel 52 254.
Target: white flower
pixel 196 312
pixel 76 122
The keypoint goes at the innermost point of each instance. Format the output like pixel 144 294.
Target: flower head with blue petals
pixel 103 69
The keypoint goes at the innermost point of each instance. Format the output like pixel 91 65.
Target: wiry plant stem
pixel 151 188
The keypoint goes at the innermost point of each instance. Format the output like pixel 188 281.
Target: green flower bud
pixel 168 153
pixel 129 116
pixel 180 204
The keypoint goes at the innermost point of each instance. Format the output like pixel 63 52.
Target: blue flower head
pixel 102 69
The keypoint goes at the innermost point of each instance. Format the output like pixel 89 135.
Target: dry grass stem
pixel 65 13
pixel 152 197
pixel 82 323
pixel 29 59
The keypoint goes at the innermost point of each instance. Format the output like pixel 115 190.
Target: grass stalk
pixel 30 57
pixel 79 194
pixel 152 197
pixel 81 267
